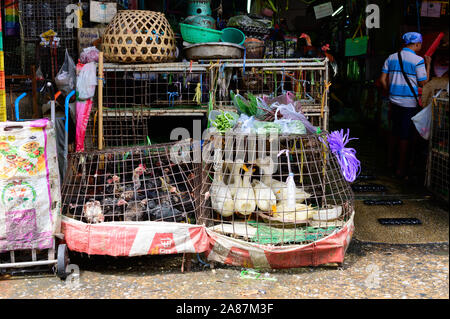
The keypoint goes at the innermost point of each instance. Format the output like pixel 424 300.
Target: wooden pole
pixel 100 101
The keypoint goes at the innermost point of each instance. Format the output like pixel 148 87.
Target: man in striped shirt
pixel 403 102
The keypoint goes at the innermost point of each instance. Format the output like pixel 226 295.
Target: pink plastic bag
pixel 286 98
pixel 83 111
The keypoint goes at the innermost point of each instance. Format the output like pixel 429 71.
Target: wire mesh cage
pixel 306 78
pixel 37 17
pixel 120 129
pixel 145 87
pixel 133 94
pixel 437 180
pixel 251 192
pixel 40 16
pixel 130 184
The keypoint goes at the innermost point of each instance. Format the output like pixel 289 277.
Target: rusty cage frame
pixel 242 171
pixel 437 167
pixel 134 93
pixel 307 78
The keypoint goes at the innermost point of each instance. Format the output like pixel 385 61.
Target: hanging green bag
pixel 356 46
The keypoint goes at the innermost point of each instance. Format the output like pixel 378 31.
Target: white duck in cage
pixel 279 188
pixel 245 201
pixel 265 197
pixel 235 180
pixel 221 199
pixel 298 212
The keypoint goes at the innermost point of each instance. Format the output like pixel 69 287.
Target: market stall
pixel 125 195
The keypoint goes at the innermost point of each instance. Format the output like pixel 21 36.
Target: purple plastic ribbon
pixel 350 165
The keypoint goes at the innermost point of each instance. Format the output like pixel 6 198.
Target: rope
pixel 301 161
pixel 202 262
pixel 327 86
pixel 93 129
pixel 245 55
pixel 172 96
pixel 350 165
pixel 287 155
pixel 198 94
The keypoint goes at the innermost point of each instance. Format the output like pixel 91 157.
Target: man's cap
pixel 412 37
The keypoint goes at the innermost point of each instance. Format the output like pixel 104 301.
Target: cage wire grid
pixel 306 78
pixel 37 17
pixel 133 94
pixel 244 194
pixel 131 184
pixel 437 180
pixel 140 88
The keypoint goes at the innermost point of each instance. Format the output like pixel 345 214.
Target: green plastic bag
pixel 356 46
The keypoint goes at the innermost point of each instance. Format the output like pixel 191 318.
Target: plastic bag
pixel 267 127
pixel 83 111
pixel 244 21
pixel 86 81
pixel 65 79
pixel 288 111
pixel 290 183
pixel 245 124
pixel 291 126
pixel 232 118
pixel 286 98
pixel 422 121
pixel 89 54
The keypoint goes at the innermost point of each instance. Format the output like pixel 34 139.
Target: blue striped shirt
pixel 414 66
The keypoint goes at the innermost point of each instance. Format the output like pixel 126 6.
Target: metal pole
pixel 3 112
pixel 66 129
pixel 100 101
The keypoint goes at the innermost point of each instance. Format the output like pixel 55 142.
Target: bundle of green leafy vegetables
pixel 248 107
pixel 223 122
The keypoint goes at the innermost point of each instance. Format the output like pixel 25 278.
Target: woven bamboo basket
pixel 139 36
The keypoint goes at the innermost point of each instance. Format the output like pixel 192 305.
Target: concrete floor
pixel 369 271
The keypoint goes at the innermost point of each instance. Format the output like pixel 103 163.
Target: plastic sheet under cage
pixel 129 185
pixel 273 190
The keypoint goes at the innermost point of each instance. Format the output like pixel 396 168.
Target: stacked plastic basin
pixel 195 34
